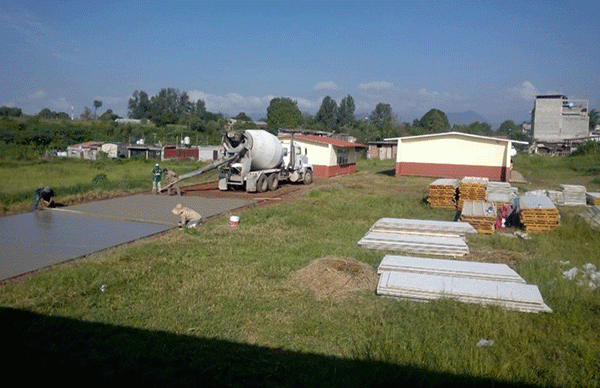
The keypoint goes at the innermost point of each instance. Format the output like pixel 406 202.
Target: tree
pixel 594 119
pixel 327 114
pixel 87 114
pixel 5 111
pixel 97 104
pixel 108 116
pixel 346 111
pixel 242 116
pixel 139 105
pixel 45 113
pixel 283 112
pixel 381 115
pixel 382 120
pixel 199 109
pixel 435 121
pixel 184 106
pixel 507 127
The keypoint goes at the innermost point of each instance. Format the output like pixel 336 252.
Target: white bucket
pixel 234 221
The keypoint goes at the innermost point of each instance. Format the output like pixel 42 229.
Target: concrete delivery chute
pixel 256 160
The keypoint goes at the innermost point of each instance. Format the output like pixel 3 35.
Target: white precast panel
pixel 266 150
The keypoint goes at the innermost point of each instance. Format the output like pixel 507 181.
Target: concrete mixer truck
pixel 257 161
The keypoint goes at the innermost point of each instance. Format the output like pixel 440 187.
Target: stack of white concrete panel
pixel 471 189
pixel 556 196
pixel 593 199
pixel 442 193
pixel 480 214
pixel 415 243
pixel 574 194
pixel 420 280
pixel 456 268
pixel 592 216
pixel 537 213
pixel 423 227
pixel 500 193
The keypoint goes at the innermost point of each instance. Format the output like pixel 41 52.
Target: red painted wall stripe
pixel 321 171
pixel 438 170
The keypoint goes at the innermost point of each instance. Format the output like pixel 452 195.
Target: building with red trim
pixel 454 155
pixel 329 156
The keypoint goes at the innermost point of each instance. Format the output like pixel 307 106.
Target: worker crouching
pixel 45 195
pixel 189 217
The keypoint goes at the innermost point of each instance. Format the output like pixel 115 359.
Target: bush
pixel 587 148
pixel 100 179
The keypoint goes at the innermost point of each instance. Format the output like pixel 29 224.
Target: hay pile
pixel 335 277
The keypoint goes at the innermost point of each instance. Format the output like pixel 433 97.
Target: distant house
pixel 454 155
pixel 180 153
pixel 88 150
pixel 209 153
pixel 114 150
pixel 144 151
pixel 329 157
pixel 382 150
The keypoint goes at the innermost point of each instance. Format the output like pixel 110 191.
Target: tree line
pixel 381 123
pixel 170 114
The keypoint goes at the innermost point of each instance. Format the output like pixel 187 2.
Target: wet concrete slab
pixel 36 240
pixel 155 208
pixel 31 241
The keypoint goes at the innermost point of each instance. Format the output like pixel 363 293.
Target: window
pixel 342 157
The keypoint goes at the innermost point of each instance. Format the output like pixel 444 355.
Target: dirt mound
pixel 335 277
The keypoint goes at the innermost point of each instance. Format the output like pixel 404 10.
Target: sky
pixel 488 57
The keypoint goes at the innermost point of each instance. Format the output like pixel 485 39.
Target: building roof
pixel 328 140
pixel 87 144
pixel 445 134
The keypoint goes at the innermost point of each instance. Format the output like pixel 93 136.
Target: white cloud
pixel 232 103
pixel 330 85
pixel 38 94
pixel 61 105
pixel 526 91
pixel 435 96
pixel 380 85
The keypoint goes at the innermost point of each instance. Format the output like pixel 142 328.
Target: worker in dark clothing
pixel 156 176
pixel 45 195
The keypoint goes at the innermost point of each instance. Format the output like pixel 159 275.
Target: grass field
pixel 227 306
pixel 76 180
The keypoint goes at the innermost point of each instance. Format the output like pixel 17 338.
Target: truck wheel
pixel 308 177
pixel 262 185
pixel 273 182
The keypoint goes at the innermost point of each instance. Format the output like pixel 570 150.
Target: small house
pixel 329 156
pixel 382 150
pixel 88 150
pixel 454 155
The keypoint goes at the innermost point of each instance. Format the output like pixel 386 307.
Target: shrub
pixel 100 179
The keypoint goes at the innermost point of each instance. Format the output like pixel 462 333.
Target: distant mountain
pixel 467 117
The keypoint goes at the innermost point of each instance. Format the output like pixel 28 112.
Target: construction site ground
pixel 40 239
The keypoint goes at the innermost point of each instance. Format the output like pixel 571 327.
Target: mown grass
pixel 76 180
pixel 549 172
pixel 214 306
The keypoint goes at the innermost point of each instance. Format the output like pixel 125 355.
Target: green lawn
pixel 75 180
pixel 217 305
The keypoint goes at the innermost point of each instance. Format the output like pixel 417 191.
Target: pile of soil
pixel 335 277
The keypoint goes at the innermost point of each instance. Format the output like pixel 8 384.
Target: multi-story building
pixel 557 119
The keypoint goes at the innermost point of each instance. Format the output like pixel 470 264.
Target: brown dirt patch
pixel 509 258
pixel 335 277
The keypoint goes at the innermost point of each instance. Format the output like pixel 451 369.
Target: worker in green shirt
pixel 156 176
